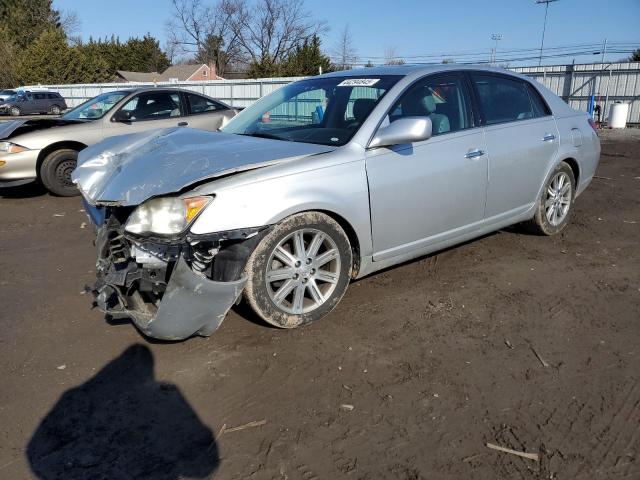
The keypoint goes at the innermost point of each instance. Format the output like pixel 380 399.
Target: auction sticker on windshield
pixel 359 82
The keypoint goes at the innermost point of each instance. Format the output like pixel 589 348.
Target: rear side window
pixel 540 107
pixel 504 99
pixel 39 96
pixel 198 104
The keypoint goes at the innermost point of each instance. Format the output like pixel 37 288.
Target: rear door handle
pixel 549 137
pixel 183 124
pixel 474 153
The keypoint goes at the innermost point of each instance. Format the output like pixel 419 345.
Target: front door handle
pixel 183 124
pixel 549 137
pixel 474 153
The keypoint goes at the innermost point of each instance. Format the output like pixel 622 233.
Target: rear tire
pixel 55 172
pixel 15 111
pixel 555 203
pixel 54 110
pixel 299 271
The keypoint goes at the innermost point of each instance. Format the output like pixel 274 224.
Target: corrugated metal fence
pixel 239 93
pixel 609 82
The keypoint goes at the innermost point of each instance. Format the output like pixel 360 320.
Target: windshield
pixel 324 110
pixel 95 108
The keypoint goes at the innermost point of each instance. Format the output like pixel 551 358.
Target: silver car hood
pixel 129 169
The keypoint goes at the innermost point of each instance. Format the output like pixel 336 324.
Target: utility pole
pixel 495 37
pixel 544 26
pixel 604 50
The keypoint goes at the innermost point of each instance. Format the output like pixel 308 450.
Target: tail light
pixel 592 124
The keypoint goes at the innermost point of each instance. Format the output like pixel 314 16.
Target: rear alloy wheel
pixel 54 110
pixel 15 111
pixel 299 271
pixel 556 201
pixel 55 172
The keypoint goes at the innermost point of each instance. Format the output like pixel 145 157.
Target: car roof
pixel 409 69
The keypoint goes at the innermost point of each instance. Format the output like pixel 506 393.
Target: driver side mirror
pixel 403 130
pixel 122 116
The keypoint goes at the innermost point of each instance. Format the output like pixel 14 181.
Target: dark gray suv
pixel 27 102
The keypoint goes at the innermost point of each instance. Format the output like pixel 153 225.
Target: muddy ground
pixel 416 370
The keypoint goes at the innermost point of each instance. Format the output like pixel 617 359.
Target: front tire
pixel 54 110
pixel 14 111
pixel 556 202
pixel 299 271
pixel 55 172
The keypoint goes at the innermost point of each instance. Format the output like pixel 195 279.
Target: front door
pixel 427 192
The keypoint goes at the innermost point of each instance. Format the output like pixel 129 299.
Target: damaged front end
pixel 171 288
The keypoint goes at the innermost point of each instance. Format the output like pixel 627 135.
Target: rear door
pixel 521 137
pixel 205 113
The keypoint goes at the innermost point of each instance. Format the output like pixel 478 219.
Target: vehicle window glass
pixel 324 110
pixel 39 96
pixel 503 99
pixel 361 99
pixel 97 107
pixel 442 99
pixel 199 104
pixel 153 106
pixel 540 108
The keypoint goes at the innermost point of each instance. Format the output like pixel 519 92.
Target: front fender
pixel 340 189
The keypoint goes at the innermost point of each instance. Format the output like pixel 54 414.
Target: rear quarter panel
pixel 581 143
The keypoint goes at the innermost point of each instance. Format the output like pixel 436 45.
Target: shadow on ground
pixel 123 424
pixel 29 190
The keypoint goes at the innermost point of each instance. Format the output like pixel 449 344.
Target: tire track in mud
pixel 597 439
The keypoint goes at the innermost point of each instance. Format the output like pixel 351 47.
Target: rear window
pixel 505 99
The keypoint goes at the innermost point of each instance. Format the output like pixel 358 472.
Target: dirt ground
pixel 526 342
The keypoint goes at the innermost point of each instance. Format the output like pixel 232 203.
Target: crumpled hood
pixel 129 169
pixel 18 127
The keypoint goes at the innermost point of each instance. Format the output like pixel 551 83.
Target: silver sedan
pixel 47 149
pixel 325 180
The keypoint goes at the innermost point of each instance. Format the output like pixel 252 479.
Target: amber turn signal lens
pixel 2 162
pixel 195 205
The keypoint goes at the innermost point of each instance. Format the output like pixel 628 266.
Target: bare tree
pixel 70 23
pixel 391 56
pixel 205 31
pixel 270 30
pixel 345 53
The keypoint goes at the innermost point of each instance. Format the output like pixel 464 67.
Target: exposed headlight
pixel 165 216
pixel 8 147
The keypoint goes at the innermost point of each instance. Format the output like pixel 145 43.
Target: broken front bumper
pixel 191 305
pixel 169 291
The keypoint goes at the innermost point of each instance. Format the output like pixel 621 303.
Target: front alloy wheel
pixel 299 271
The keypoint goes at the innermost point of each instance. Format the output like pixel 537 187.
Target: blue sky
pixel 411 27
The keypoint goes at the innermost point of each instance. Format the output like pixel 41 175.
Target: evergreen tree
pixel 306 59
pixel 49 59
pixel 635 57
pixel 26 20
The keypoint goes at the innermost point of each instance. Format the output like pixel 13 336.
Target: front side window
pixel 97 107
pixel 443 99
pixel 503 99
pixel 199 104
pixel 152 106
pixel 322 110
pixel 40 96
